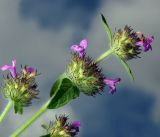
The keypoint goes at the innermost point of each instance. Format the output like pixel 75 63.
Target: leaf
pixel 56 85
pixel 18 108
pixel 62 91
pixel 127 68
pixel 106 26
pixel 48 135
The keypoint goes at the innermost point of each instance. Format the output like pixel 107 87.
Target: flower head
pixel 124 44
pixel 21 87
pixel 61 127
pixel 146 42
pixel 85 74
pixel 112 84
pixel 80 49
pixel 127 43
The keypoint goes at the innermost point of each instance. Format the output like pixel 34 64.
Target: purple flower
pixel 80 49
pixel 75 125
pixel 12 68
pixel 112 84
pixel 146 42
pixel 30 70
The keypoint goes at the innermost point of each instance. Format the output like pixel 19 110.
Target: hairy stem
pixel 104 55
pixel 31 120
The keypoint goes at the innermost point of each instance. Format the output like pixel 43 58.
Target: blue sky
pixel 39 33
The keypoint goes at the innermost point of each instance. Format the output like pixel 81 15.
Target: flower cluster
pixel 86 74
pixel 145 42
pixel 82 74
pixel 127 43
pixel 61 127
pixel 20 87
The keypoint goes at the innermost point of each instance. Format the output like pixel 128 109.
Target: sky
pixel 39 33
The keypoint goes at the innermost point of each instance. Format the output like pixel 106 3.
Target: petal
pixel 84 43
pixel 6 67
pixel 111 83
pixel 76 48
pixel 14 62
pixel 76 124
pixel 147 48
pixel 140 43
pixel 13 72
pixel 12 68
pixel 112 89
pixel 30 70
pixel 81 54
pixel 151 39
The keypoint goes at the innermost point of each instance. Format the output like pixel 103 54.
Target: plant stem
pixel 6 110
pixel 43 109
pixel 104 55
pixel 31 120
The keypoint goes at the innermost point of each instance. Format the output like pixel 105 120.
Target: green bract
pixel 85 74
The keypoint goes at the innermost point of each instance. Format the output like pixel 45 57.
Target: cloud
pixel 31 43
pixel 35 38
pixel 127 113
pixel 142 15
pixel 34 46
pixel 58 14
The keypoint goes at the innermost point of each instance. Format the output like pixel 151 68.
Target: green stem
pixel 34 117
pixel 6 110
pixel 31 120
pixel 104 55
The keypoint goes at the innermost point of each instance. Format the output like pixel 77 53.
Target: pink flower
pixel 12 68
pixel 76 125
pixel 112 84
pixel 146 42
pixel 30 70
pixel 80 49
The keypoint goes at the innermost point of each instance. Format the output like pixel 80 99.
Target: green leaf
pixel 18 108
pixel 56 85
pixel 106 26
pixel 127 68
pixel 62 92
pixel 48 135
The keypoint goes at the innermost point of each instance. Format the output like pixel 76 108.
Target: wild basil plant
pixel 83 74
